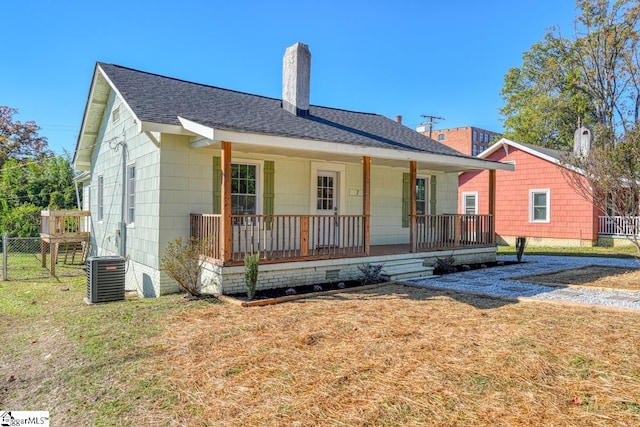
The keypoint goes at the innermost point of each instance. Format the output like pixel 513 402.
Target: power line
pixel 431 122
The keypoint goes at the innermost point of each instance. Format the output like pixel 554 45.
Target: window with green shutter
pixel 425 192
pixel 244 187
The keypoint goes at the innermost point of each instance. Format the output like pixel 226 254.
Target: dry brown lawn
pixel 596 276
pixel 397 356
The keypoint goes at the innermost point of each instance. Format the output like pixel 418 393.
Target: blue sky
pixel 442 58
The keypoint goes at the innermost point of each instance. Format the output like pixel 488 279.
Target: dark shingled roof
pixel 556 154
pixel 160 99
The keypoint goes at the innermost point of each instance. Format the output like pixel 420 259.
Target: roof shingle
pixel 159 99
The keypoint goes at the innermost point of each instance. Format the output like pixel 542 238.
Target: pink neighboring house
pixel 534 201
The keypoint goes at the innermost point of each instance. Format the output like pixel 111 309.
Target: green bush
pixel 251 262
pixel 21 221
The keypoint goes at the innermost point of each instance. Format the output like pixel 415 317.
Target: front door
pixel 326 228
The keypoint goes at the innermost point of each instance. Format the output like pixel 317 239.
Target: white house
pixel 318 191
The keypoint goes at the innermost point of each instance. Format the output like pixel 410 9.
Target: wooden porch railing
pixel 69 224
pixel 66 227
pixel 283 236
pixel 454 231
pixel 313 236
pixel 619 225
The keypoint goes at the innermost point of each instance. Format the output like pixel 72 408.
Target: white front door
pixel 326 229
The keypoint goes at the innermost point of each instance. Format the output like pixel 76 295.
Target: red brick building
pixel 467 140
pixel 535 200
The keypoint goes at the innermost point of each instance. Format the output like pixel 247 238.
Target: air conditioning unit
pixel 105 279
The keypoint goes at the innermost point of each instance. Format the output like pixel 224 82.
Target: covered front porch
pixel 326 219
pixel 227 236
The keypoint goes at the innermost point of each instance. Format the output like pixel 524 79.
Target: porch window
pixel 470 203
pixel 100 198
pixel 539 205
pixel 131 193
pixel 244 192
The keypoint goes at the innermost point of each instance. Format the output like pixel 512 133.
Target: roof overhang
pixel 334 151
pixel 101 87
pixel 505 143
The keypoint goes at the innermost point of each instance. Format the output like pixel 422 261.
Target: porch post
pixel 225 195
pixel 366 203
pixel 492 206
pixel 413 230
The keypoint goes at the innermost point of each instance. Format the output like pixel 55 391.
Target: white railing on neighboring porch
pixel 619 225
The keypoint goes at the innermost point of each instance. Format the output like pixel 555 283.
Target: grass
pixel 386 357
pixel 601 251
pixel 79 362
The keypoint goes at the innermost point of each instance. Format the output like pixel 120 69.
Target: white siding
pixel 446 194
pixel 142 237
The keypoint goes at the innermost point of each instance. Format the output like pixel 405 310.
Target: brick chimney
pixel 296 77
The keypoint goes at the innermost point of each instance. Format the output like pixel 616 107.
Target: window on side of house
pixel 100 198
pixel 115 115
pixel 131 193
pixel 441 137
pixel 539 205
pixel 244 189
pixel 470 203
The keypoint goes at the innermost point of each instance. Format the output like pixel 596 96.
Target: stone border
pixel 271 301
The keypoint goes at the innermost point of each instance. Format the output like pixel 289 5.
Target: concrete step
pixel 402 263
pixel 407 268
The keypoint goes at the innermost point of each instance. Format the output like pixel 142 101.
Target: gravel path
pixel 493 282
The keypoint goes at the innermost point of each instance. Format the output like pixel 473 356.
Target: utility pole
pixel 431 122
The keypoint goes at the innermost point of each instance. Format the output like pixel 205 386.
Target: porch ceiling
pixel 336 152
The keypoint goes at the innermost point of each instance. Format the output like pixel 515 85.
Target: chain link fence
pixel 22 259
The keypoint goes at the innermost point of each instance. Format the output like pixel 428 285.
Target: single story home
pixel 317 191
pixel 537 200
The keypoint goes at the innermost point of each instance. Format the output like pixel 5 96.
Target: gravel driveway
pixel 493 281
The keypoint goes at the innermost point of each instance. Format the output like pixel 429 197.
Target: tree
pixel 42 184
pixel 593 76
pixel 22 221
pixel 542 104
pixel 610 178
pixel 19 140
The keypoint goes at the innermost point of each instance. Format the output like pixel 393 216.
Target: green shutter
pixel 406 199
pixel 268 193
pixel 432 195
pixel 217 185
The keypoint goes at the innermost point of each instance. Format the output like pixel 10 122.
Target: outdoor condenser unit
pixel 105 279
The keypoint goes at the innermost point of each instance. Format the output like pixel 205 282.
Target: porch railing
pixel 314 236
pixel 619 225
pixel 70 224
pixel 282 236
pixel 454 231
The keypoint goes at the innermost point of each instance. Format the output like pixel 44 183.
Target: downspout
pixel 123 219
pixel 75 183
